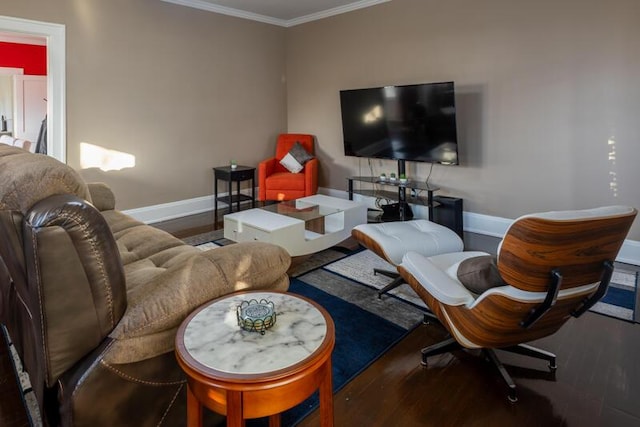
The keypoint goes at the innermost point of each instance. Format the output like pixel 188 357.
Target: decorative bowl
pixel 256 316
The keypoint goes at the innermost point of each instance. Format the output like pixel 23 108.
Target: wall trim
pixel 9 71
pixel 22 39
pixel 223 10
pixel 229 11
pixel 332 12
pixel 473 222
pixel 56 77
pixel 173 210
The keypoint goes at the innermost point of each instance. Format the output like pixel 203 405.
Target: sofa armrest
pixel 101 196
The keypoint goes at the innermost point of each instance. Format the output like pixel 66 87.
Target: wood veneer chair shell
pixel 531 249
pixel 533 246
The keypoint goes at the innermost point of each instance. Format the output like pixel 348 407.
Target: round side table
pixel 244 374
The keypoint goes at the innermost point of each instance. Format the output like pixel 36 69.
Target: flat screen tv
pixel 412 122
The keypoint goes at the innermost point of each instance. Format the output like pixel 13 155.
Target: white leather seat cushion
pixel 438 275
pixel 420 235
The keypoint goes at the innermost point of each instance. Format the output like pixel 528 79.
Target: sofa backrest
pixel 66 289
pixel 26 178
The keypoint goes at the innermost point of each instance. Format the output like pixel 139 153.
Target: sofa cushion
pixel 167 280
pixel 138 241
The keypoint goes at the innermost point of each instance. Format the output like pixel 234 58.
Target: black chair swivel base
pixel 397 280
pixel 451 344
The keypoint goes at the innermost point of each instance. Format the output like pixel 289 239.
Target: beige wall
pixel 181 89
pixel 541 89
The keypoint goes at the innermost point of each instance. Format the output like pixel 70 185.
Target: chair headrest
pixel 576 242
pixel 576 215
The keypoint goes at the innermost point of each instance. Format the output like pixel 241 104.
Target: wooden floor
pixel 597 382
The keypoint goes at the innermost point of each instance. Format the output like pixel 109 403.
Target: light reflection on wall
pixel 613 183
pixel 94 156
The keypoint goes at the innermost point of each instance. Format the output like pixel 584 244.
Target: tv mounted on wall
pixel 412 122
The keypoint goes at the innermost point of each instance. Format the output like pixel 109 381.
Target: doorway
pixel 56 54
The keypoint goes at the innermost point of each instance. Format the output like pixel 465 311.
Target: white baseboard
pixel 473 222
pixel 173 210
pixel 629 252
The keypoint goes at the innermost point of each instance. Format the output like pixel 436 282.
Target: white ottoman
pixel 391 240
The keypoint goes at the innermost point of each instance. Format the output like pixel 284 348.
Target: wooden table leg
pixel 326 396
pixel 194 410
pixel 274 420
pixel 235 417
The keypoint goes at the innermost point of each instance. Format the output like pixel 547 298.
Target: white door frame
pixel 56 77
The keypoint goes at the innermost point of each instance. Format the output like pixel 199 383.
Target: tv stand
pixel 399 195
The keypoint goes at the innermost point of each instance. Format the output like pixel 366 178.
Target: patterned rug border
pixel 610 310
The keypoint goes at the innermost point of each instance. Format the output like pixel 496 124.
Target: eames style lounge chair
pixel 292 173
pixel 391 240
pixel 550 266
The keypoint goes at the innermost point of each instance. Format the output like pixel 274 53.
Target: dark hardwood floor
pixel 597 382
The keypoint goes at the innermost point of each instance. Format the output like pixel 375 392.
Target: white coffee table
pixel 302 226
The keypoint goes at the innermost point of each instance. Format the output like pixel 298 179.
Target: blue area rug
pixel 361 338
pixel 620 297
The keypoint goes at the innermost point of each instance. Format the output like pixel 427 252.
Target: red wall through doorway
pixel 33 58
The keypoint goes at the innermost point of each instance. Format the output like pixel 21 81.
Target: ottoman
pixel 391 240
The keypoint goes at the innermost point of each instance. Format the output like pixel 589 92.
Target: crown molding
pixel 209 7
pixel 335 11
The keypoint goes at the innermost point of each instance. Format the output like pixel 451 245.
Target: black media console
pixel 442 210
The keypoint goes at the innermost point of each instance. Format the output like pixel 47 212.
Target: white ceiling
pixel 285 13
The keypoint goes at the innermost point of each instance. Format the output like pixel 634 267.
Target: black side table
pixel 239 174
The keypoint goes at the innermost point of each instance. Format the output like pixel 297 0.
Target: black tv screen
pixel 412 122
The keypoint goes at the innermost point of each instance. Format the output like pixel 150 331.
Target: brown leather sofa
pixel 92 298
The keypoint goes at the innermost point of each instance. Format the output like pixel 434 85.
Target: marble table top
pixel 214 339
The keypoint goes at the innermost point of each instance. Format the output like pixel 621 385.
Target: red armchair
pixel 277 183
